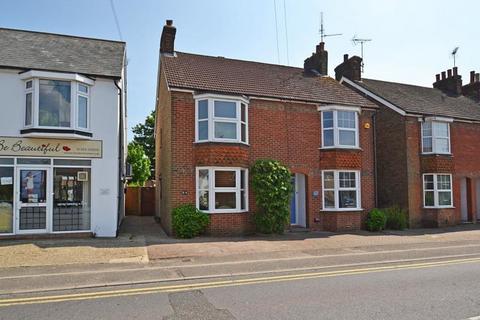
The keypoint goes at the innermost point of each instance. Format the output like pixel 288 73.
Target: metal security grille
pixel 33 218
pixel 69 218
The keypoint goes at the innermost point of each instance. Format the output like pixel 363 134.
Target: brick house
pixel 217 116
pixel 426 143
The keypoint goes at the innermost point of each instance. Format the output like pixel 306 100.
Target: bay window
pixel 222 189
pixel 341 190
pixel 56 104
pixel 221 119
pixel 339 128
pixel 436 137
pixel 437 190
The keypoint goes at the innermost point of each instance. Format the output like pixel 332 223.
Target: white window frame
pixel 85 95
pixel 31 91
pixel 435 137
pixel 212 189
pixel 336 129
pixel 336 189
pixel 74 79
pixel 435 190
pixel 212 119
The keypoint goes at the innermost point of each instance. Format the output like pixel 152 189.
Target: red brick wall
pixel 288 132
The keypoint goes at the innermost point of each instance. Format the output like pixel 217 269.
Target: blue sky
pixel 412 39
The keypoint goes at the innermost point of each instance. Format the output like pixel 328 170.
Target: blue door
pixel 293 204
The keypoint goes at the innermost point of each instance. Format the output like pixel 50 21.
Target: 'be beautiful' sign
pixel 40 147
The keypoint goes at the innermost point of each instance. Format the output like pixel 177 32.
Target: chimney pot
pixel 472 76
pixel 443 75
pixel 437 77
pixel 345 57
pixel 449 73
pixel 455 71
pixel 477 77
pixel 169 22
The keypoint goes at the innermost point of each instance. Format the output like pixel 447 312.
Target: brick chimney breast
pixel 167 41
pixel 450 82
pixel 472 89
pixel 350 68
pixel 317 64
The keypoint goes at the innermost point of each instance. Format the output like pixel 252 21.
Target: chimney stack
pixel 167 41
pixel 350 68
pixel 472 89
pixel 317 64
pixel 450 82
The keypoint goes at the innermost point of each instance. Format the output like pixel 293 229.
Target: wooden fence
pixel 140 201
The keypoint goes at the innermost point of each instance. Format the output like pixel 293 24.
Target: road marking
pixel 224 283
pixel 474 318
pixel 147 268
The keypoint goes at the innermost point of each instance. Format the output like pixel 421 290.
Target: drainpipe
pixel 375 188
pixel 121 186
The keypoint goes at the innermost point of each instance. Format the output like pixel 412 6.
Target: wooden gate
pixel 140 201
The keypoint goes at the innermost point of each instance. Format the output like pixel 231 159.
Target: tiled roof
pixel 423 100
pixel 222 75
pixel 54 52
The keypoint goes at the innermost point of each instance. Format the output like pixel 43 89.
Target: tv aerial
pixel 361 41
pixel 322 30
pixel 454 54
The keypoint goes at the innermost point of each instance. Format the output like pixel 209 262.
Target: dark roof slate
pixel 423 100
pixel 222 75
pixel 54 52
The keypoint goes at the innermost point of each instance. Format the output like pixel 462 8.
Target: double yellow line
pixel 225 283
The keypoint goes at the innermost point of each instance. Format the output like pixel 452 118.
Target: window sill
pixel 341 148
pixel 342 210
pixel 226 212
pixel 60 133
pixel 446 207
pixel 436 154
pixel 220 142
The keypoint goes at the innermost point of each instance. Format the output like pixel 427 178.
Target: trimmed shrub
pixel 396 218
pixel 376 220
pixel 271 182
pixel 188 221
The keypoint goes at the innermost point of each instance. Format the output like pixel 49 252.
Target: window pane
pixel 440 129
pixel 427 144
pixel 203 179
pixel 54 103
pixel 346 119
pixel 33 186
pixel 243 201
pixel 70 162
pixel 442 145
pixel 225 109
pixel 82 111
pixel 6 199
pixel 71 199
pixel 429 199
pixel 225 200
pixel 427 129
pixel 443 182
pixel 83 88
pixel 444 198
pixel 203 109
pixel 244 132
pixel 28 109
pixel 33 161
pixel 428 182
pixel 225 179
pixel 225 130
pixel 242 179
pixel 347 179
pixel 327 119
pixel 347 199
pixel 328 138
pixel 328 180
pixel 329 199
pixel 244 112
pixel 28 84
pixel 346 138
pixel 203 200
pixel 203 130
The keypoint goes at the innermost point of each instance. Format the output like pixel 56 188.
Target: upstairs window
pixel 56 104
pixel 436 137
pixel 339 129
pixel 221 120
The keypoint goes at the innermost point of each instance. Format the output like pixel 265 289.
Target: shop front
pixel 46 185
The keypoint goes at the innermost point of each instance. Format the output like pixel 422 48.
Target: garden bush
pixel 271 182
pixel 188 221
pixel 376 220
pixel 396 218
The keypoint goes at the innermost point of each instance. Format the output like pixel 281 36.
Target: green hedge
pixel 188 221
pixel 376 220
pixel 396 218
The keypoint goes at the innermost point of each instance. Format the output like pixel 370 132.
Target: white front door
pixel 33 208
